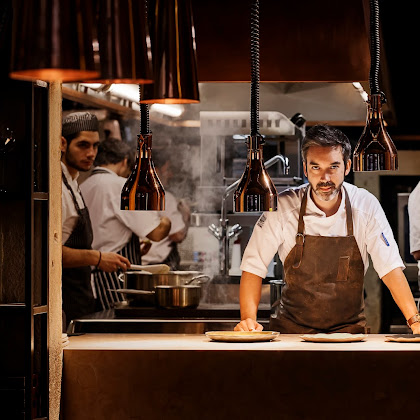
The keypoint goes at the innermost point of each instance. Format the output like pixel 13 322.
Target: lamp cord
pixel 144 116
pixel 375 51
pixel 255 68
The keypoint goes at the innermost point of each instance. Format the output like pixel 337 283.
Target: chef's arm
pixel 106 261
pixel 249 298
pixel 416 255
pixel 397 284
pixel 161 231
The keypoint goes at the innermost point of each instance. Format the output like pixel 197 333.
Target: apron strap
pixel 300 237
pixel 76 204
pixel 349 215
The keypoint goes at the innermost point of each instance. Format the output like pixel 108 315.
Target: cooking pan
pixel 165 296
pixel 141 281
pixel 170 290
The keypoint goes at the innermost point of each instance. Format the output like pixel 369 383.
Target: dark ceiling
pixel 400 68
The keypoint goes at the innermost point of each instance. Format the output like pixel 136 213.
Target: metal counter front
pixel 131 319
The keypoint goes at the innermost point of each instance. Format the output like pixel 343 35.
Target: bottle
pixel 375 150
pixel 256 191
pixel 143 189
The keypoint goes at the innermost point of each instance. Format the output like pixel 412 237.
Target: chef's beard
pixel 329 195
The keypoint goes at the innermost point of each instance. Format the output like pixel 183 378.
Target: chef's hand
pixel 110 261
pixel 248 324
pixel 415 328
pixel 145 246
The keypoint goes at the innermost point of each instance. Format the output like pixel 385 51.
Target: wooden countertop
pixel 188 377
pixel 193 342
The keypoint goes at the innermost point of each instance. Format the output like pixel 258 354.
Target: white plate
pixel 242 336
pixel 404 338
pixel 333 337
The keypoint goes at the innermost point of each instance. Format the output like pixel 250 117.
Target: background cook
pixel 116 230
pixel 79 146
pixel 323 232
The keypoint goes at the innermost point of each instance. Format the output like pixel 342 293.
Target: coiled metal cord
pixel 255 67
pixel 375 50
pixel 144 116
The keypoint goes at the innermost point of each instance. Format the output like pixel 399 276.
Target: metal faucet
pixel 223 234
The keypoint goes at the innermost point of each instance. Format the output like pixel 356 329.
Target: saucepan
pixel 170 290
pixel 169 297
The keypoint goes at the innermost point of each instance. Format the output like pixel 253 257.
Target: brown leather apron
pixel 324 283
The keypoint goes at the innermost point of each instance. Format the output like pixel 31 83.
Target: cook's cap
pixel 79 121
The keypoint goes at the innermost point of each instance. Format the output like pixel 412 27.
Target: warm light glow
pixel 362 92
pixel 166 109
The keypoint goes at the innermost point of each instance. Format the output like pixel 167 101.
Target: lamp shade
pixel 52 40
pixel 124 42
pixel 174 54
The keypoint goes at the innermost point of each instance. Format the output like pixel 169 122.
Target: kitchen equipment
pixel 242 336
pixel 173 289
pixel 165 296
pixel 275 292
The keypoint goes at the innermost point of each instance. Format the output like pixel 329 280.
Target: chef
pixel 114 229
pixel 323 232
pixel 414 220
pixel 79 145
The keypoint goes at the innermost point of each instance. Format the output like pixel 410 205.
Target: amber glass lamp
pixel 52 40
pixel 256 191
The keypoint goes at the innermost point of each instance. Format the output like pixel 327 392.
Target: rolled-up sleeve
pixel 265 240
pixel 380 242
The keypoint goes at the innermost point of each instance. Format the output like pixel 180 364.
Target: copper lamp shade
pixel 375 150
pixel 52 40
pixel 174 54
pixel 256 191
pixel 143 189
pixel 124 42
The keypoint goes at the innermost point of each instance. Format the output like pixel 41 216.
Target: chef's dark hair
pixel 111 151
pixel 326 136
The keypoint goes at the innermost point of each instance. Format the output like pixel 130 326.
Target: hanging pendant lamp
pixel 124 42
pixel 174 53
pixel 143 189
pixel 52 40
pixel 256 191
pixel 375 150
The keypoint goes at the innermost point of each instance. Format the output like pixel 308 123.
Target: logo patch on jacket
pixel 261 220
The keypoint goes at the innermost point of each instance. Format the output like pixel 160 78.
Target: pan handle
pixel 201 278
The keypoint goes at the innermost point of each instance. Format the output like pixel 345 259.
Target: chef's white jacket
pixel 276 231
pixel 69 212
pixel 414 219
pixel 160 250
pixel 112 227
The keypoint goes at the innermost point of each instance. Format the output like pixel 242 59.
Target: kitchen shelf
pixel 12 307
pixel 40 196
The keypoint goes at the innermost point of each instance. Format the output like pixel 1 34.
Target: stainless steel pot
pixel 139 281
pixel 171 290
pixel 169 297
